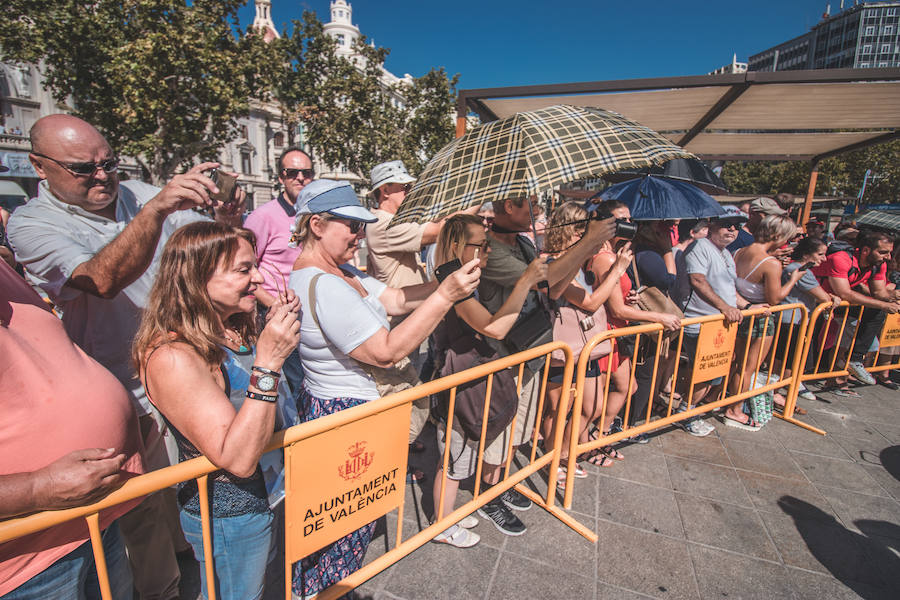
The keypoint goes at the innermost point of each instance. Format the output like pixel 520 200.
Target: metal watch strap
pixel 263 397
pixel 275 374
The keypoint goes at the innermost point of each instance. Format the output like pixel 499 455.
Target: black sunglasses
pixel 483 245
pixel 354 225
pixel 85 168
pixel 292 173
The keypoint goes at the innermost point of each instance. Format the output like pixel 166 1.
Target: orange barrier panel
pixel 716 348
pixel 337 451
pixel 833 333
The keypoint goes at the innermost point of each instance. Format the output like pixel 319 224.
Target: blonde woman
pixel 463 238
pixel 566 226
pixel 759 285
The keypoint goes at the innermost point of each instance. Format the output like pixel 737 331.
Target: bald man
pixel 93 244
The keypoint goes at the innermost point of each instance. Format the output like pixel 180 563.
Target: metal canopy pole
pixel 810 192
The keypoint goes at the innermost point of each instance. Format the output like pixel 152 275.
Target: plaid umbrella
pixel 881 219
pixel 529 152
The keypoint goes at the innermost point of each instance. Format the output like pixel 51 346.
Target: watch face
pixel 265 383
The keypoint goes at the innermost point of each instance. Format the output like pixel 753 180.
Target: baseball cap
pixel 390 172
pixel 766 206
pixel 731 214
pixel 333 197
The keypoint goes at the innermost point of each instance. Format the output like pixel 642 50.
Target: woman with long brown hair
pixel 217 386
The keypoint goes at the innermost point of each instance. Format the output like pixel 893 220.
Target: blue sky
pixel 494 43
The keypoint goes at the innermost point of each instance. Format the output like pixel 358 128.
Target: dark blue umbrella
pixel 656 199
pixel 691 170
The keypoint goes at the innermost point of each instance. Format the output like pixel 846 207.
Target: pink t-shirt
pixel 54 399
pixel 271 224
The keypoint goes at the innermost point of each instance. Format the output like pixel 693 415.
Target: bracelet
pixel 265 371
pixel 263 397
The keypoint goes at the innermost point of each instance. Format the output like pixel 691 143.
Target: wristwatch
pixel 264 383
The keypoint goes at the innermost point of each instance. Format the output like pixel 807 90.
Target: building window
pixel 863 65
pixel 278 139
pixel 888 29
pixel 340 39
pixel 870 30
pixel 885 48
pixel 883 63
pixel 891 12
pixel 245 134
pixel 246 168
pixel 867 49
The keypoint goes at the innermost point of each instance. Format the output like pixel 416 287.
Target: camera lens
pixel 625 229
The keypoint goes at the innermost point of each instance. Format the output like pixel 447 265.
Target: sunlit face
pixel 91 192
pixel 877 255
pixel 232 285
pixel 338 238
pixel 518 217
pixel 722 233
pixel 475 245
pixel 292 176
pixel 817 257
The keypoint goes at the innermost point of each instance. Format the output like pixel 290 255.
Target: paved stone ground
pixel 779 513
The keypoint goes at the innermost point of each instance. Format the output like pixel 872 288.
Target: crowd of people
pixel 184 335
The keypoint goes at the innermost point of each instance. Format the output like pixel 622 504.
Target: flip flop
pixel 845 392
pixel 612 453
pixel 598 459
pixel 748 426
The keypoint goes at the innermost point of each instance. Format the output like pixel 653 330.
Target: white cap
pixel 390 172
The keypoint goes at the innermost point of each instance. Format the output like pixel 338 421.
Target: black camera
pixel 624 228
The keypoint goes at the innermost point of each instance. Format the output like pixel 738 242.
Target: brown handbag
pixel 575 327
pixel 651 299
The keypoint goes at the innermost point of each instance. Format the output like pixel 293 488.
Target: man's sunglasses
pixel 483 245
pixel 85 168
pixel 293 173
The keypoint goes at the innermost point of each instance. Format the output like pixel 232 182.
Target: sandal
pixel 598 459
pixel 748 425
pixel 612 453
pixel 845 392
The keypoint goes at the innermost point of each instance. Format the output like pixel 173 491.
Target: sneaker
pixel 468 522
pixel 502 518
pixel 805 393
pixel 858 371
pixel 640 438
pixel 696 427
pixel 514 500
pixel 458 537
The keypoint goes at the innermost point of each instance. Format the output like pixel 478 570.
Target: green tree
pixel 164 80
pixel 349 110
pixel 842 175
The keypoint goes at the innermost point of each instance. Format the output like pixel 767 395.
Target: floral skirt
pixel 329 565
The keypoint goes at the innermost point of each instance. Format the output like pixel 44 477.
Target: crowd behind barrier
pixel 807 365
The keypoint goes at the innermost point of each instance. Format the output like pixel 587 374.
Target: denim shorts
pixel 74 576
pixel 242 548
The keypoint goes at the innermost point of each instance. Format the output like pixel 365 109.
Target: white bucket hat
pixel 390 172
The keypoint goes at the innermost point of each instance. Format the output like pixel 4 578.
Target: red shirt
pixel 54 399
pixel 842 265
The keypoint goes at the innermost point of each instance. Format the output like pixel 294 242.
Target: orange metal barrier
pixel 833 333
pixel 720 361
pixel 301 443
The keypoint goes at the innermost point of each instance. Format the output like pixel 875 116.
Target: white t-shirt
pixel 721 274
pixel 347 320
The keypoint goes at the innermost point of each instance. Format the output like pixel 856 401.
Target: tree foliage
pixel 349 109
pixel 841 175
pixel 164 80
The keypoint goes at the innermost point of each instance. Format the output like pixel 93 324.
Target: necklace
pixel 237 342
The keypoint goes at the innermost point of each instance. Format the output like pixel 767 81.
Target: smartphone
pixel 806 266
pixel 226 184
pixel 445 270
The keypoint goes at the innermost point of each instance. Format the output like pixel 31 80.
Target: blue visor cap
pixel 333 197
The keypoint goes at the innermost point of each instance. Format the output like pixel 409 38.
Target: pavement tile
pixel 704 449
pixel 725 526
pixel 721 575
pixel 825 547
pixel 837 473
pixel 761 458
pixel 845 425
pixel 569 552
pixel 888 481
pixel 885 554
pixel 648 508
pixel 801 440
pixel 864 451
pixel 709 481
pixel 642 464
pixel 813 586
pixel 872 515
pixel 647 563
pixel 427 572
pixel 891 432
pixel 611 592
pixel 767 493
pixel 519 577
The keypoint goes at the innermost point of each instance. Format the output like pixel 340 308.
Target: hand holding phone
pixel 226 182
